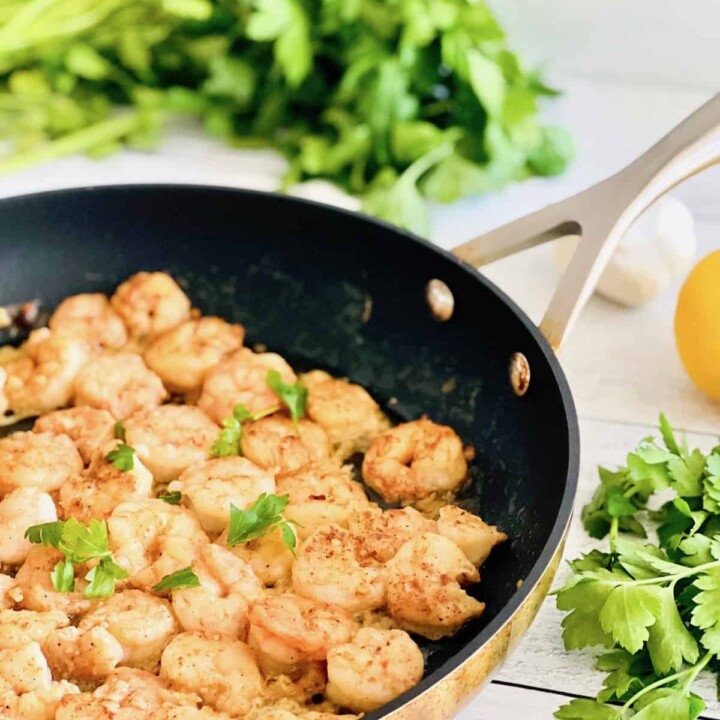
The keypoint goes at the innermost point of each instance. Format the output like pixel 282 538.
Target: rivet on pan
pixel 440 300
pixel 519 373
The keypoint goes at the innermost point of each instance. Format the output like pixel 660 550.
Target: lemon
pixel 697 325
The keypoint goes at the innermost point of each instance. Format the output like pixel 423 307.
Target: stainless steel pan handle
pixel 601 215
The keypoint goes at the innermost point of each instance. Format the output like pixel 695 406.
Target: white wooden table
pixel 621 364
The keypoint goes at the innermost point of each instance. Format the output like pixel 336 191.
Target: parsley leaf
pixel 294 396
pixel 79 544
pixel 584 709
pixel 171 498
pixel 263 516
pixel 179 580
pixel 123 457
pixel 228 441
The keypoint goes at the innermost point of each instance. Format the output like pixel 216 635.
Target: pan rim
pixel 571 477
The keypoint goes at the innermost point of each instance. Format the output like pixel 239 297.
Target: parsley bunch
pixel 654 605
pixel 397 102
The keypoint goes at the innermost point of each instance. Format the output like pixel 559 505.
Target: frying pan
pixel 331 289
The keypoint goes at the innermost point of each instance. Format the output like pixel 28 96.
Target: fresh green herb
pixel 179 580
pixel 171 498
pixel 395 102
pixel 294 396
pixel 655 606
pixel 123 457
pixel 228 441
pixel 263 516
pixel 79 544
pixel 119 431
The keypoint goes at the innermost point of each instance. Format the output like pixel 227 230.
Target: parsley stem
pixel 672 579
pixel 613 534
pixel 690 672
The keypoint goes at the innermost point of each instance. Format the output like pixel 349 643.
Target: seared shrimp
pixel 97 491
pixel 373 669
pixel 82 656
pixel 189 712
pixel 209 488
pixel 414 460
pixel 24 669
pixel 330 568
pixel 8 588
pixel 171 438
pixel 42 376
pixel 150 304
pixel 474 537
pixel 219 606
pixel 275 442
pixel 383 533
pixel 126 694
pixel 120 383
pixel 268 556
pixel 151 539
pixel 321 494
pixel 37 460
pixel 87 427
pixel 222 672
pixel 141 623
pixel 20 627
pixel 346 411
pixel 19 510
pixel 40 704
pixel 241 379
pixel 424 586
pixel 287 631
pixel 35 590
pixel 91 318
pixel 183 355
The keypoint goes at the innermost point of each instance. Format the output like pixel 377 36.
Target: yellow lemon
pixel 697 325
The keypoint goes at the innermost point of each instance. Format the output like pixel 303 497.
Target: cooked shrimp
pixel 219 606
pixel 275 442
pixel 151 539
pixel 142 624
pixel 209 488
pixel 183 355
pixel 8 588
pixel 188 712
pixel 268 556
pixel 474 537
pixel 222 672
pixel 171 438
pixel 346 411
pixel 414 460
pixel 91 318
pixel 241 379
pixel 321 494
pixel 20 627
pixel 97 491
pixel 18 511
pixel 39 704
pixel 329 569
pixel 373 669
pixel 37 460
pixel 42 376
pixel 287 631
pixel 82 656
pixel 24 669
pixel 383 533
pixel 127 694
pixel 150 304
pixel 120 383
pixel 87 427
pixel 424 586
pixel 35 590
